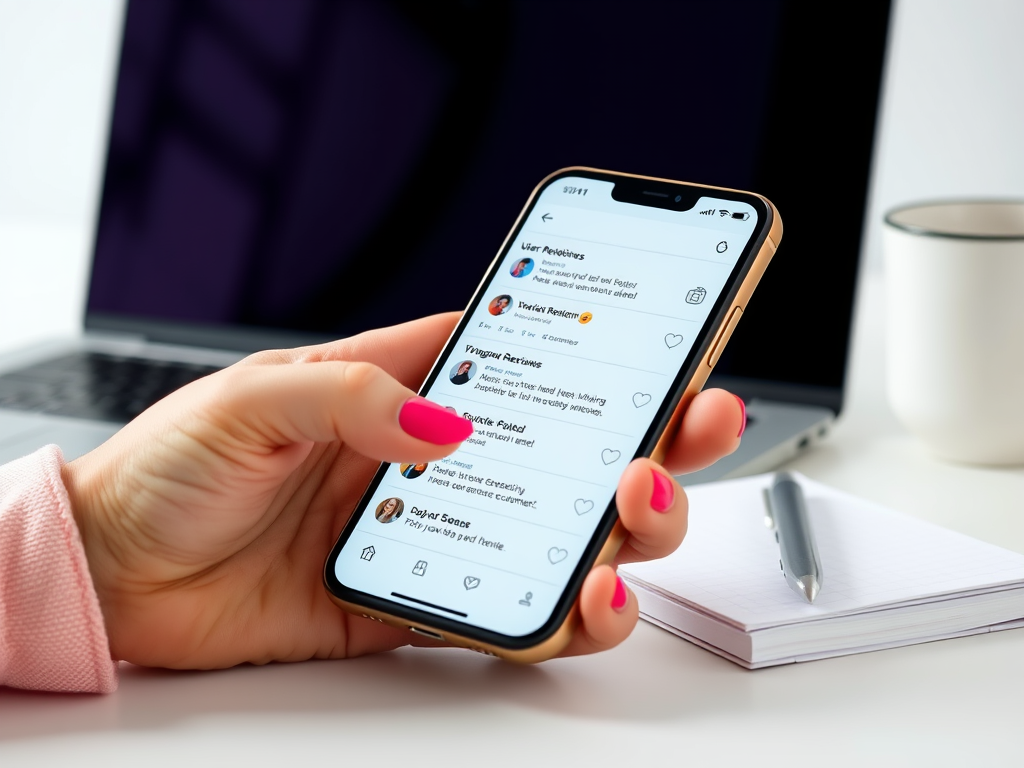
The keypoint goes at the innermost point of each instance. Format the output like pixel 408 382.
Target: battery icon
pixel 741 216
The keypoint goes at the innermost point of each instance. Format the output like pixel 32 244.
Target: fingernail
pixel 434 423
pixel 664 492
pixel 621 596
pixel 743 415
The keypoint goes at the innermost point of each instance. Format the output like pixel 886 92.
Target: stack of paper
pixel 888 580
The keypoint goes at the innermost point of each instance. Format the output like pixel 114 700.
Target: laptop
pixel 285 172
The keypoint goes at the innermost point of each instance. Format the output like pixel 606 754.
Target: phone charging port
pixel 426 633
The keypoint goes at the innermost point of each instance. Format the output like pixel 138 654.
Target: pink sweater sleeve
pixel 52 636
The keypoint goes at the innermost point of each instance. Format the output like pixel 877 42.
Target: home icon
pixel 368 553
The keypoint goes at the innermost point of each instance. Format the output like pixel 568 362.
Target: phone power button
pixel 723 336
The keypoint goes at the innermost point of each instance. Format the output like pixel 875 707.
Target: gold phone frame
pixel 560 638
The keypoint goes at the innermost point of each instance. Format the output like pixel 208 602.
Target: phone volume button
pixel 426 633
pixel 723 336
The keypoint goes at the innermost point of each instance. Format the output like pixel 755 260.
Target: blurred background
pixel 950 127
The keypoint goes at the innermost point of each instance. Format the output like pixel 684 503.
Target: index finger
pixel 271 406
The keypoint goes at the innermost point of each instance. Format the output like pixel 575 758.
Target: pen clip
pixel 769 517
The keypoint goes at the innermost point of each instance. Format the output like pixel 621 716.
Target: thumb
pixel 273 406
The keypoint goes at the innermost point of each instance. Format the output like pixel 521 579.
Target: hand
pixel 206 521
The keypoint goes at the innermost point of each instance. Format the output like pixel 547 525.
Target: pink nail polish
pixel 621 596
pixel 743 415
pixel 434 423
pixel 663 493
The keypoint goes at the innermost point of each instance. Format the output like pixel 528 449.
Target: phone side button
pixel 427 633
pixel 723 337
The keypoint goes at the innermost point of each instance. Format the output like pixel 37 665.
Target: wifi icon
pixel 723 212
pixel 708 212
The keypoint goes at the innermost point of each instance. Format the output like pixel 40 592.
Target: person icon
pixel 412 471
pixel 462 372
pixel 526 600
pixel 521 268
pixel 500 304
pixel 389 510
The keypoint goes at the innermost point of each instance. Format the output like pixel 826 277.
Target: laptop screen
pixel 304 169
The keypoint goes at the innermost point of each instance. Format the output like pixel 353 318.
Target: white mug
pixel 955 327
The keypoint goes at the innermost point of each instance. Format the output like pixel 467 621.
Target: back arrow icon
pixel 546 217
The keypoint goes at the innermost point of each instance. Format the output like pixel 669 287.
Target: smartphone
pixel 602 315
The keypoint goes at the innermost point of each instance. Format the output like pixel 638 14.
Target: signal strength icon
pixel 708 212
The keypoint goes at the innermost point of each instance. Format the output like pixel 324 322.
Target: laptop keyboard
pixel 92 385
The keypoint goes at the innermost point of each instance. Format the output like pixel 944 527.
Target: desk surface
pixel 656 698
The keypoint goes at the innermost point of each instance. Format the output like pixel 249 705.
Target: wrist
pixel 86 499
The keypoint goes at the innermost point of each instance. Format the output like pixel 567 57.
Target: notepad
pixel 888 580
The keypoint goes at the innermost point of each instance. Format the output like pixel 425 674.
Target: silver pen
pixel 786 515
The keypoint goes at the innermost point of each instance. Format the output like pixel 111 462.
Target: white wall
pixel 953 114
pixel 56 69
pixel 952 118
pixel 56 66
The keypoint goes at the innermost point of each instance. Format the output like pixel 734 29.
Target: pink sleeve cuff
pixel 52 636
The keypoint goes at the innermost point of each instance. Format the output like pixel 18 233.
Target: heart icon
pixel 471 582
pixel 608 456
pixel 556 555
pixel 640 399
pixel 583 506
pixel 673 340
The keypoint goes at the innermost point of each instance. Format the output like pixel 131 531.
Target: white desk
pixel 655 700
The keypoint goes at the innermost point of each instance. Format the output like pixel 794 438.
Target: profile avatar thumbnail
pixel 500 304
pixel 412 471
pixel 389 510
pixel 462 372
pixel 521 268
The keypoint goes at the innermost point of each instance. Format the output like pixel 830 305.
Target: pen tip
pixel 808 587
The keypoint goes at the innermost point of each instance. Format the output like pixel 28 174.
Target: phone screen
pixel 569 355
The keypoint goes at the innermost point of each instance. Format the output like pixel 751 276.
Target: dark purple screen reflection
pixel 328 166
